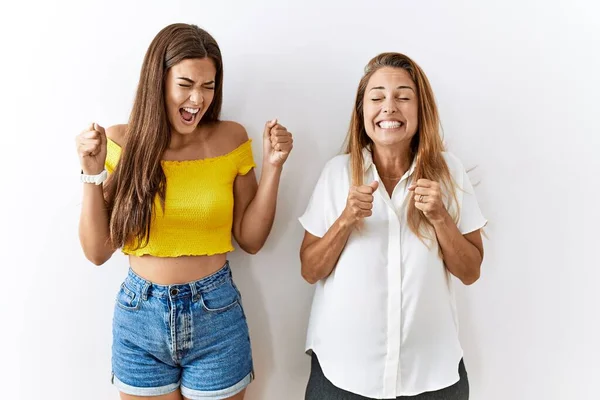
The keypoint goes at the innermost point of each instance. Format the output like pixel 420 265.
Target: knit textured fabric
pixel 198 214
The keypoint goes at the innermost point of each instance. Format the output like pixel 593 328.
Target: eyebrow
pixel 399 87
pixel 185 79
pixel 192 82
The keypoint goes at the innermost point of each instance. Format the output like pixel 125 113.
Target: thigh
pixel 142 364
pixel 171 396
pixel 239 396
pixel 218 364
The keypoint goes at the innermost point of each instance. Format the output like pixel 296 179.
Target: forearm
pixel 461 257
pixel 259 215
pixel 94 225
pixel 320 257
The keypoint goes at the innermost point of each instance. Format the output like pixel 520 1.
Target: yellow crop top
pixel 198 214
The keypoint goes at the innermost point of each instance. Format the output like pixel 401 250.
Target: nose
pixel 389 106
pixel 197 98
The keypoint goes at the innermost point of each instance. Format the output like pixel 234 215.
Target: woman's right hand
pixel 319 255
pixel 359 204
pixel 91 148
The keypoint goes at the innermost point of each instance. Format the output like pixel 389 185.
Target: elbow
pixel 309 277
pixel 251 246
pixel 250 249
pixel 308 274
pixel 471 277
pixel 94 251
pixel 97 259
pixel 98 262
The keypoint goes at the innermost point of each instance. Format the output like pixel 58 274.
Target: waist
pixel 176 270
pixel 176 242
pixel 146 288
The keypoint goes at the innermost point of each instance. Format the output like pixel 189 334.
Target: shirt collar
pixel 368 162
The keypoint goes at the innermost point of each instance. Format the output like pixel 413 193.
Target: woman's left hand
pixel 277 143
pixel 428 199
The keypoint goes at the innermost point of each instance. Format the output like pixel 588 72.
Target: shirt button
pixel 174 291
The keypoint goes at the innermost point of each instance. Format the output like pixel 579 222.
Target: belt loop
pixel 145 290
pixel 194 289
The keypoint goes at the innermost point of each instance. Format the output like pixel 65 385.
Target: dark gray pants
pixel 320 388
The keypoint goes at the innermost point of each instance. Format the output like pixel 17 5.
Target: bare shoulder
pixel 117 133
pixel 233 134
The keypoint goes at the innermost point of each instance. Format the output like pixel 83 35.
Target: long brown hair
pixel 139 178
pixel 426 146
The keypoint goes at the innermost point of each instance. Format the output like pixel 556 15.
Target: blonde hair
pixel 426 147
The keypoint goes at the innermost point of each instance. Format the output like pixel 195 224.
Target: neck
pixel 392 162
pixel 179 141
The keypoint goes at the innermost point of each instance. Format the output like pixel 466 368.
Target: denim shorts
pixel 192 336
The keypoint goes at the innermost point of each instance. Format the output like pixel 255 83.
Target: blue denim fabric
pixel 192 336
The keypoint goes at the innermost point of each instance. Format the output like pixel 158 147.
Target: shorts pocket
pixel 220 298
pixel 127 299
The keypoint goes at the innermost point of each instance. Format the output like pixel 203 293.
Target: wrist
pixel 271 169
pixel 345 222
pixel 441 221
pixel 96 179
pixel 92 171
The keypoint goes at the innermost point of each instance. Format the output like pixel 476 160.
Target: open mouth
pixel 390 124
pixel 189 115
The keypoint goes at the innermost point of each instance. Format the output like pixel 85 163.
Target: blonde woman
pixel 386 227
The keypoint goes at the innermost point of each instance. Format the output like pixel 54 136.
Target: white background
pixel 518 91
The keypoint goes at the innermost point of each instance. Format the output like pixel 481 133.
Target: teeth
pixel 192 110
pixel 390 124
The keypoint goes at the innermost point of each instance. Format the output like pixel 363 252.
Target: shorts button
pixel 174 291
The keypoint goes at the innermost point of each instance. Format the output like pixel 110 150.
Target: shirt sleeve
pixel 314 219
pixel 470 217
pixel 243 158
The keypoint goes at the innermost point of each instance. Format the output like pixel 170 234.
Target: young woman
pixel 180 183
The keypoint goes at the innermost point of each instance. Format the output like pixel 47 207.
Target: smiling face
pixel 390 107
pixel 189 91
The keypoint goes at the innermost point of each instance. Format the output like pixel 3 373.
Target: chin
pixel 391 139
pixel 184 129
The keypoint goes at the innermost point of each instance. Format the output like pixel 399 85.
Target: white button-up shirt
pixel 383 323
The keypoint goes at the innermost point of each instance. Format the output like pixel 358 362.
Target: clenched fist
pixel 359 204
pixel 277 143
pixel 91 148
pixel 428 199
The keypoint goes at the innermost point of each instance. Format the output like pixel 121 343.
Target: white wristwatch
pixel 95 179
